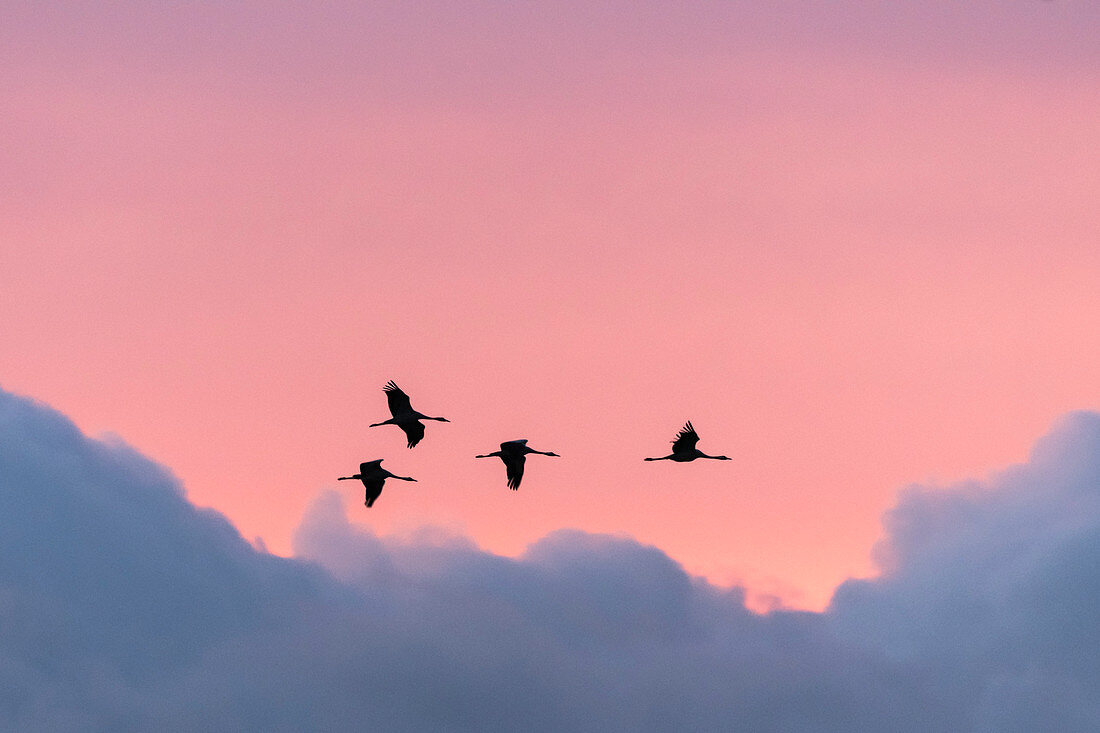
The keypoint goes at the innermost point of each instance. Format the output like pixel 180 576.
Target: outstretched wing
pixel 685 440
pixel 509 446
pixel 398 400
pixel 369 467
pixel 413 430
pixel 514 466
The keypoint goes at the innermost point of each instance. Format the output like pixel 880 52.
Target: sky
pixel 853 243
pixel 126 607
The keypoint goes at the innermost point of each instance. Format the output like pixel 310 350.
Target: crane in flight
pixel 684 450
pixel 373 476
pixel 404 416
pixel 514 454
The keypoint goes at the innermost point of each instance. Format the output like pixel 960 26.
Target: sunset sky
pixel 855 243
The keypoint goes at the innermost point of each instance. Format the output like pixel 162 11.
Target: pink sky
pixel 857 247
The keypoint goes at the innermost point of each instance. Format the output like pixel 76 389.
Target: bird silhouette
pixel 514 454
pixel 404 416
pixel 373 476
pixel 684 450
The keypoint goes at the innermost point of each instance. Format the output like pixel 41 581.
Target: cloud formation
pixel 123 606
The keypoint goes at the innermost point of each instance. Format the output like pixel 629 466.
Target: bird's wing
pixel 413 430
pixel 374 489
pixel 512 445
pixel 398 400
pixel 514 466
pixel 685 440
pixel 369 467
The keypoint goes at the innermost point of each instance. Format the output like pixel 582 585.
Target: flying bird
pixel 684 450
pixel 404 416
pixel 514 454
pixel 373 476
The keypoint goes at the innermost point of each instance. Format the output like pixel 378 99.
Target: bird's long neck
pixel 349 478
pixel 496 453
pixel 384 422
pixel 662 458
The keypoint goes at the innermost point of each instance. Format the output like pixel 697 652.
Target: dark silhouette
pixel 684 450
pixel 373 476
pixel 404 416
pixel 514 454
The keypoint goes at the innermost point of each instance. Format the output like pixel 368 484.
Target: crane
pixel 404 416
pixel 373 476
pixel 514 454
pixel 683 447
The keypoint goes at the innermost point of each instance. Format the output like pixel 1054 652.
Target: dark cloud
pixel 124 607
pixel 989 589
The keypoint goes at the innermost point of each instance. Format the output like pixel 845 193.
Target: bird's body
pixel 404 416
pixel 684 450
pixel 373 476
pixel 514 455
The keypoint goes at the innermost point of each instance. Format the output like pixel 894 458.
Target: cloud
pixel 989 589
pixel 123 606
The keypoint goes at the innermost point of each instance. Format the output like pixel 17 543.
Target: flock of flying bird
pixel 513 453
